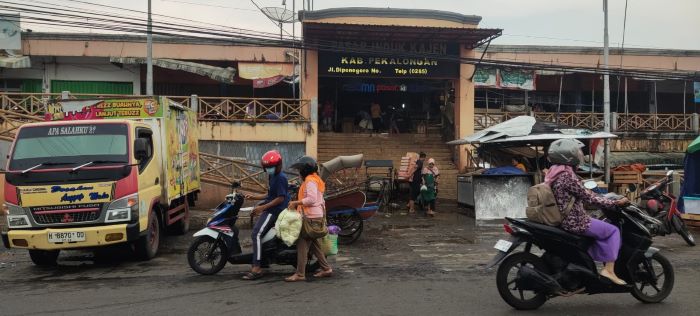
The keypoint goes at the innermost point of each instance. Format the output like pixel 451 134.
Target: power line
pixel 209 5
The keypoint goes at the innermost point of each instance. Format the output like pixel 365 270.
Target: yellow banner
pixel 67 194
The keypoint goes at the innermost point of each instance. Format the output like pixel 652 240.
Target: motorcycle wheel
pixel 663 270
pixel 201 261
pixel 682 230
pixel 508 273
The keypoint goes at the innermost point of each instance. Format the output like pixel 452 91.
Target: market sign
pixel 412 60
pixel 504 78
pixel 103 109
pixel 485 77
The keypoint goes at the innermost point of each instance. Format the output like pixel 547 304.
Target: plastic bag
pixel 288 226
pixel 329 244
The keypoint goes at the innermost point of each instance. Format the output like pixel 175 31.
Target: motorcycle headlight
pixel 123 209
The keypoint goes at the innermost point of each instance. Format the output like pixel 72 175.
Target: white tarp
pixel 518 126
pixel 15 62
pixel 519 129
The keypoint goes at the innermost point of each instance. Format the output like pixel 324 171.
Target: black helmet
pixel 306 166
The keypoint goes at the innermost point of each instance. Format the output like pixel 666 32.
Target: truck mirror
pixel 140 149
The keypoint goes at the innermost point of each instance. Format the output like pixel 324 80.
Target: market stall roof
pixel 694 146
pixel 526 130
pixel 672 160
pixel 224 75
pixel 470 37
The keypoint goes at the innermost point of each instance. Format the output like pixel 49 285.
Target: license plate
pixel 58 237
pixel 503 245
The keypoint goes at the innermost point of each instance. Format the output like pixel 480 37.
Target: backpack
pixel 542 206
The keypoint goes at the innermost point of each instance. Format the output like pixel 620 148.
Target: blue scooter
pixel 218 242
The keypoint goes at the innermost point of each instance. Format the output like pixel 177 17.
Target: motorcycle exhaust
pixel 530 279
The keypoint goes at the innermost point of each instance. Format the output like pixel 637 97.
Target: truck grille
pixel 66 214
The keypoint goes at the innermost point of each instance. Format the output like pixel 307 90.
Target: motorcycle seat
pixel 580 241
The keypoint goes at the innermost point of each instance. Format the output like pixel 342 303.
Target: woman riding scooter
pixel 565 155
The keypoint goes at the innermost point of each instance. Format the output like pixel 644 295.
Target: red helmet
pixel 271 158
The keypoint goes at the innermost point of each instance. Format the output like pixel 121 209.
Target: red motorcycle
pixel 662 205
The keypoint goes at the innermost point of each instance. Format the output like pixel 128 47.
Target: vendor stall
pixel 495 195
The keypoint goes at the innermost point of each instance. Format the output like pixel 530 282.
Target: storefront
pixel 411 63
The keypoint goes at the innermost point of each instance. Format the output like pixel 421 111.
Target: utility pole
pixel 149 53
pixel 606 92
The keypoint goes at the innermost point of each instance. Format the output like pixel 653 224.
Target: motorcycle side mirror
pixel 632 187
pixel 669 173
pixel 235 185
pixel 590 184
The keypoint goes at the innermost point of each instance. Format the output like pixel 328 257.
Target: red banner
pixel 266 82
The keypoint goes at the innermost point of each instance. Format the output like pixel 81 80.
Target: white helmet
pixel 565 152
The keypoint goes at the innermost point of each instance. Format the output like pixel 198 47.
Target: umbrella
pixel 694 146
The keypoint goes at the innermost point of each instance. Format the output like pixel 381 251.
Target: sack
pixel 329 245
pixel 288 226
pixel 542 206
pixel 313 228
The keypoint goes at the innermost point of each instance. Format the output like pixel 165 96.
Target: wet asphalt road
pixel 400 266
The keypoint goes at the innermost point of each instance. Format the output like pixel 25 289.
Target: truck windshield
pixel 69 144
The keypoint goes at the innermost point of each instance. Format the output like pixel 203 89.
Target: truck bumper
pixel 95 236
pixel 5 240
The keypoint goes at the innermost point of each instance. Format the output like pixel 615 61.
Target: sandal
pixel 323 273
pixel 294 278
pixel 252 275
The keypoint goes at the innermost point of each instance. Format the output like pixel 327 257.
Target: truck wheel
pixel 147 245
pixel 44 257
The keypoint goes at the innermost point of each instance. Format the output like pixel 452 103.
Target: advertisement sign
pixel 485 77
pixel 419 61
pixel 517 79
pixel 72 110
pixel 10 32
pixel 182 146
pixel 696 91
pixel 66 194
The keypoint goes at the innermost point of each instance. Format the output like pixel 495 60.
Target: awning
pixel 225 75
pixel 470 37
pixel 15 62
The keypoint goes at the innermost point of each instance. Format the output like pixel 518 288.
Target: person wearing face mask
pixel 273 203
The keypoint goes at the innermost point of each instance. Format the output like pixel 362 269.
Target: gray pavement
pixel 400 266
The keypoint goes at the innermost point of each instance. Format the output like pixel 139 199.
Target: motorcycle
pixel 526 280
pixel 662 205
pixel 218 242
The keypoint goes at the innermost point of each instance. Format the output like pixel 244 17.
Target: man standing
pixel 416 180
pixel 276 200
pixel 376 113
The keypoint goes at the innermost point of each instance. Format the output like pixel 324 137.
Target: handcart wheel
pixel 349 221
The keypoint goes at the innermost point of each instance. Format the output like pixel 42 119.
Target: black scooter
pixel 526 280
pixel 218 242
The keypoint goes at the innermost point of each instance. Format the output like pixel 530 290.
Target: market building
pixel 407 63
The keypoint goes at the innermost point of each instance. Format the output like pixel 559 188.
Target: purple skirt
pixel 607 241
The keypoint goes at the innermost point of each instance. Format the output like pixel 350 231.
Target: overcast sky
pixel 650 23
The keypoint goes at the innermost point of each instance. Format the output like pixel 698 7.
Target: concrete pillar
pixel 194 103
pixel 309 92
pixel 613 124
pixel 696 123
pixel 464 107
